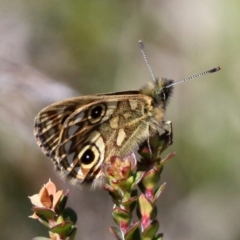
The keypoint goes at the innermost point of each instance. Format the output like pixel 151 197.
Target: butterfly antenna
pixel 141 46
pixel 213 70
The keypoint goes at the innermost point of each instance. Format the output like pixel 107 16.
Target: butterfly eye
pixel 96 113
pixel 161 96
pixel 164 96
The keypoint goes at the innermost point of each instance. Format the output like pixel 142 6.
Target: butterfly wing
pixel 49 122
pixel 81 133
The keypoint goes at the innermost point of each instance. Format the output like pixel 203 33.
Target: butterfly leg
pixel 149 148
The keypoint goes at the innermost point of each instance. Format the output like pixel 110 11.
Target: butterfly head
pixel 159 91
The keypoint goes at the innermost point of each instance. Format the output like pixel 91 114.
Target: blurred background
pixel 51 50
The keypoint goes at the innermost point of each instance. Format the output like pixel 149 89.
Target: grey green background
pixel 53 49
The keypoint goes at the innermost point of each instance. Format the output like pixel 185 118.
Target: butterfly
pixel 82 133
pixel 79 134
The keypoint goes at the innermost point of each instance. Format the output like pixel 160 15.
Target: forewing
pixel 49 122
pixel 81 134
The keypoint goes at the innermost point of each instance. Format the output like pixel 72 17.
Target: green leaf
pixel 62 228
pixel 167 158
pixel 114 194
pixel 158 192
pixel 121 216
pixel 150 179
pixel 132 233
pixel 70 215
pixel 116 232
pixel 130 203
pixel 62 203
pixel 151 230
pixel 73 233
pixel 138 177
pixel 44 213
pixel 145 207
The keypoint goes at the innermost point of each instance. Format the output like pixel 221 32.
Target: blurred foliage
pixel 92 47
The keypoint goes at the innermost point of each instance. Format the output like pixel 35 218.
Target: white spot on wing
pixel 67 146
pixel 133 104
pixel 78 118
pixel 120 137
pixel 72 130
pixel 114 122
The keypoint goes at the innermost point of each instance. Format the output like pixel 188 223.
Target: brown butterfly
pixel 82 133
